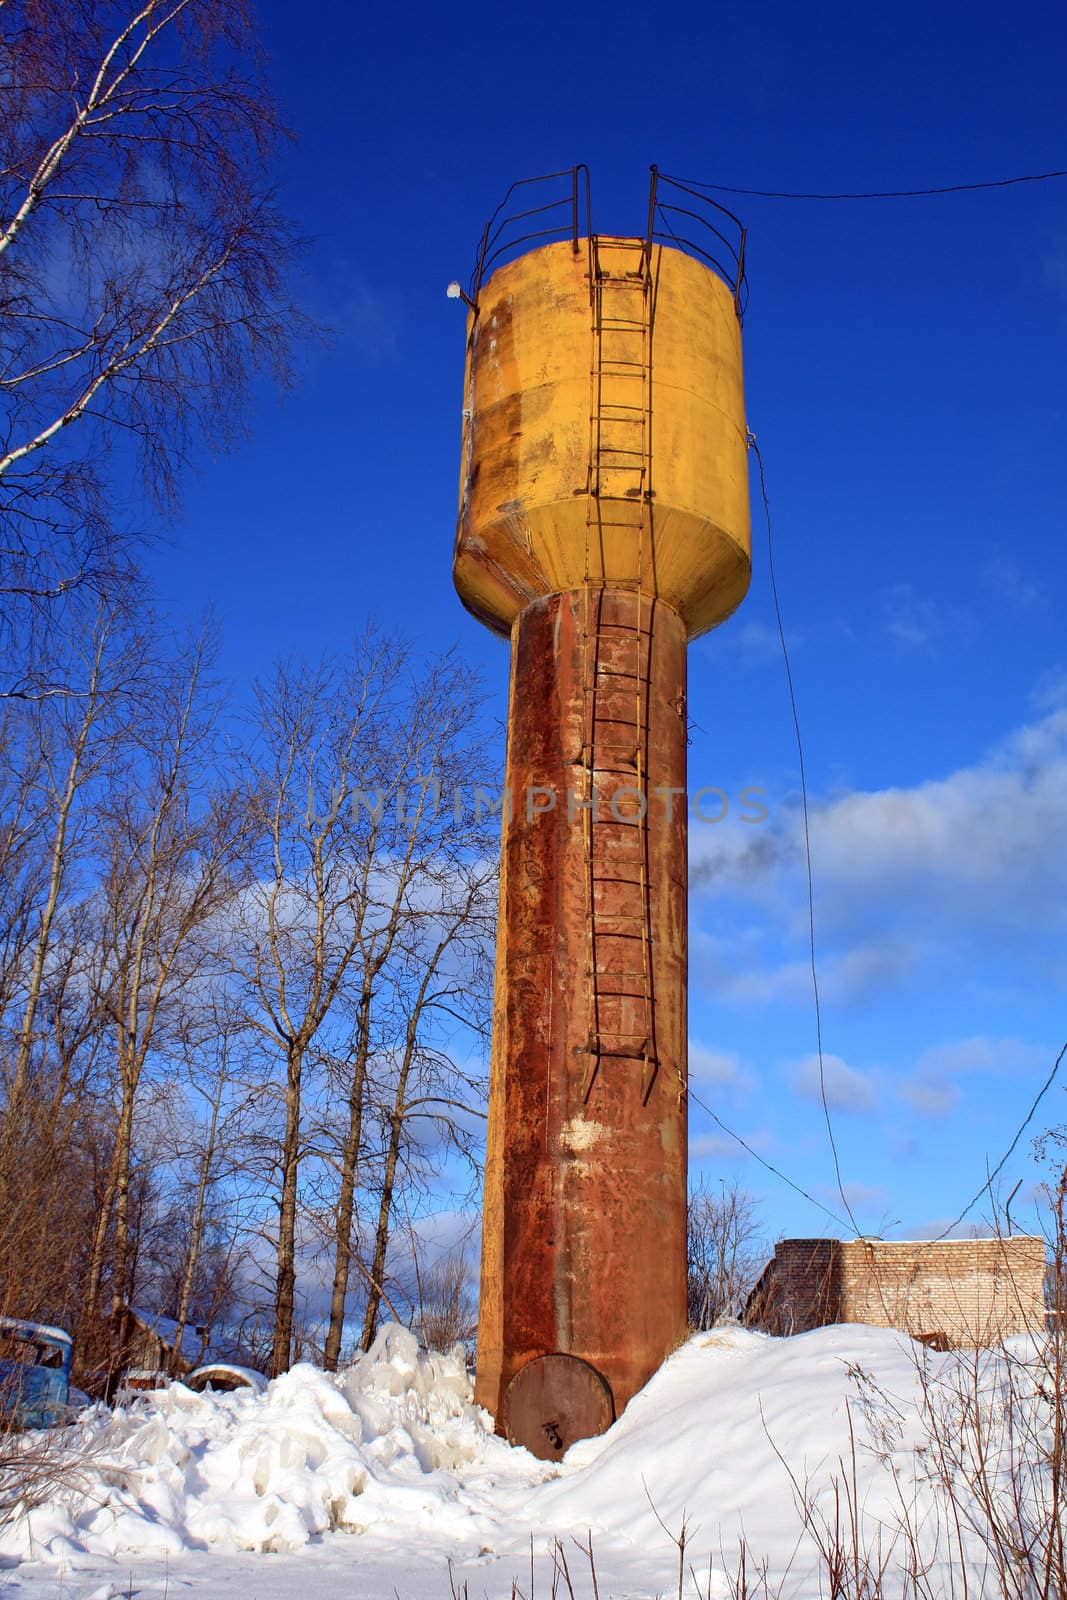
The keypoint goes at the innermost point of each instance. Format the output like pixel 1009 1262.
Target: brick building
pixel 946 1292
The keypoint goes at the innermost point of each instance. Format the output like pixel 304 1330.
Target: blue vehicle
pixel 34 1373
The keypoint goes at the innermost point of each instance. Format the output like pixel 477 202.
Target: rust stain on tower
pixel 603 523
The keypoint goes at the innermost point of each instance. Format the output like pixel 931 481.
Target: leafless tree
pixel 236 1012
pixel 141 279
pixel 725 1252
pixel 428 872
pixel 202 1250
pixel 343 791
pixel 174 863
pixel 298 938
pixel 447 1311
pixel 447 973
pixel 56 758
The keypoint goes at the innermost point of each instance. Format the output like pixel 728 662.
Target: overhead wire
pixel 878 194
pixel 754 447
pixel 988 1184
pixel 778 1173
pixel 1050 1079
pixel 884 194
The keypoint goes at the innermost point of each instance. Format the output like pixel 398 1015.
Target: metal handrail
pixel 725 256
pixel 497 239
pixel 712 234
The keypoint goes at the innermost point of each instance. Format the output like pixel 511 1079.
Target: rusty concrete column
pixel 589 1047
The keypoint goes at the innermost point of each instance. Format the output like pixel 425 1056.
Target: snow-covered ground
pixel 370 1483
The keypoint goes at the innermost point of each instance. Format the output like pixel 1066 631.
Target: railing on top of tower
pixel 723 252
pixel 498 239
pixel 698 233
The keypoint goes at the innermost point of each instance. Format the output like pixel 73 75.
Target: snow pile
pixel 176 1470
pixel 772 1443
pixel 741 1435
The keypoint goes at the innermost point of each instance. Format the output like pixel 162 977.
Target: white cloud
pixel 911 621
pixel 719 1146
pixel 846 978
pixel 719 1067
pixel 1010 586
pixel 857 1196
pixel 933 1086
pixel 1050 691
pixel 757 642
pixel 988 836
pixel 846 1088
pixel 907 880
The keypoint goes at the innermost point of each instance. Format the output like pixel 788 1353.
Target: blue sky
pixel 904 370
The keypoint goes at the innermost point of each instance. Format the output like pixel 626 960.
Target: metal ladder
pixel 617 666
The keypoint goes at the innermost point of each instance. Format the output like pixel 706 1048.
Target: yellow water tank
pixel 604 433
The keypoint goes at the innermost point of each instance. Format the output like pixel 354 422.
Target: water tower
pixel 603 523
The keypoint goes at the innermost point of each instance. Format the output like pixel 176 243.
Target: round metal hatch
pixel 553 1401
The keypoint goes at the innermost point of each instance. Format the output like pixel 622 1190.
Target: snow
pixel 33 1330
pixel 227 1369
pixel 371 1481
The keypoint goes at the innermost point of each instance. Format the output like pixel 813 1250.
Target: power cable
pixel 1041 1093
pixel 754 447
pixel 810 1198
pixel 877 194
pixel 1045 1087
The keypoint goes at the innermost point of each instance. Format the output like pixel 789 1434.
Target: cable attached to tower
pixel 878 194
pixel 754 447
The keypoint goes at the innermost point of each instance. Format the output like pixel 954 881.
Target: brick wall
pixel 950 1292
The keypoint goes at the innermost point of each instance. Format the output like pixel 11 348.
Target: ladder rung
pixel 601 1049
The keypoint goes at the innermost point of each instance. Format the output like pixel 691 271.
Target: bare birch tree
pixel 420 897
pixel 141 271
pixel 57 756
pixel 205 1218
pixel 174 865
pixel 444 978
pixel 725 1252
pixel 299 936
pixel 347 796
